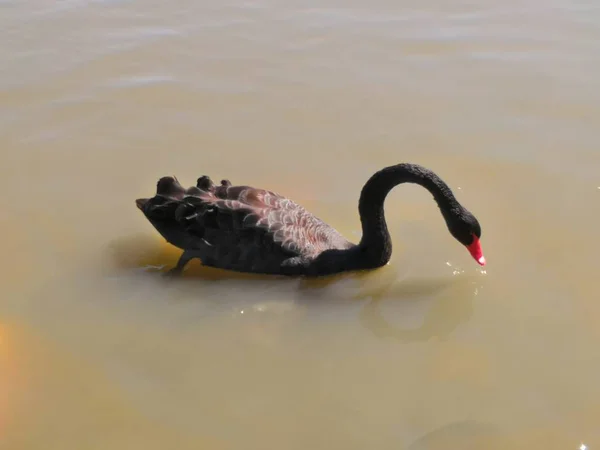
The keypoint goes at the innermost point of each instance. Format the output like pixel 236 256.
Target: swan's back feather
pixel 235 209
pixel 246 228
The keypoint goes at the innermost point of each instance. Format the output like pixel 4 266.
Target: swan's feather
pixel 247 228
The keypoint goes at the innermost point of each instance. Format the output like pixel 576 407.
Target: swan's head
pixel 466 229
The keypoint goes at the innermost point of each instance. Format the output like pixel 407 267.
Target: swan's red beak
pixel 476 251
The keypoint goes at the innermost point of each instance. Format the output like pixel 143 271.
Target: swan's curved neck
pixel 376 243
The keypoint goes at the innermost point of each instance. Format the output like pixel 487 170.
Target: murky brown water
pixel 99 99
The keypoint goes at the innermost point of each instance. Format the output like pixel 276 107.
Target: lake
pixel 99 99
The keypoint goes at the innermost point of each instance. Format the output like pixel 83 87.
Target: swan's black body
pixel 246 229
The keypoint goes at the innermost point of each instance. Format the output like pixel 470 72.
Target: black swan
pixel 246 229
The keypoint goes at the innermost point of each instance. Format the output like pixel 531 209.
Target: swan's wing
pixel 236 212
pixel 238 227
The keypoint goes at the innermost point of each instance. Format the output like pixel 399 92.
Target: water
pixel 101 98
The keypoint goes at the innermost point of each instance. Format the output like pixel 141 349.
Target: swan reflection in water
pixel 449 302
pixel 151 255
